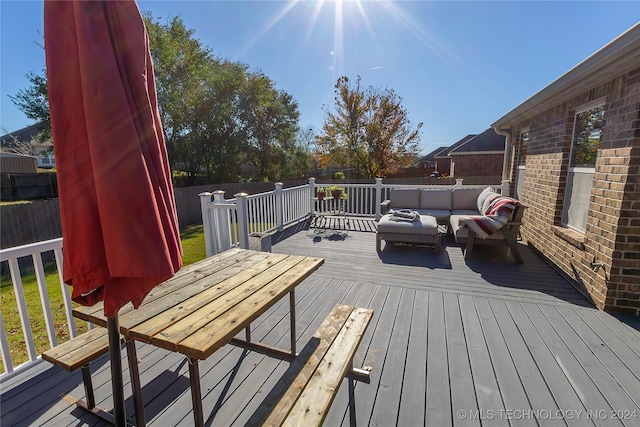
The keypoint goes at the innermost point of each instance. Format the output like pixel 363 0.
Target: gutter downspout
pixel 506 170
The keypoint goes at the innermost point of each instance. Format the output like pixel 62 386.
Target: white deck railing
pixel 11 256
pixel 230 223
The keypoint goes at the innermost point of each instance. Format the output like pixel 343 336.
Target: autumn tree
pixel 369 131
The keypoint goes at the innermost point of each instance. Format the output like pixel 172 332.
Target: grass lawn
pixel 192 238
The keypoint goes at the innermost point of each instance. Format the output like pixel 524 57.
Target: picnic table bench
pixel 79 352
pixel 303 396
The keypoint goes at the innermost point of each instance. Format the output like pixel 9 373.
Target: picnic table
pixel 205 305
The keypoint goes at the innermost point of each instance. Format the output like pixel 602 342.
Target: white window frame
pixel 576 219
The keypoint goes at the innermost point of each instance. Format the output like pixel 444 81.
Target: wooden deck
pixel 487 342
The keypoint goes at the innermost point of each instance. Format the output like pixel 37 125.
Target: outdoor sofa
pixel 471 215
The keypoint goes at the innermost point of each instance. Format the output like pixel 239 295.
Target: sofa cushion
pixel 487 193
pixel 466 198
pixel 405 198
pixel 435 198
pixel 426 225
pixel 442 215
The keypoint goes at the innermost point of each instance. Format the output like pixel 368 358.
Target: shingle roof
pixel 432 155
pixel 488 140
pixel 445 153
pixel 24 134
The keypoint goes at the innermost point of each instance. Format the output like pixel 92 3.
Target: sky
pixel 458 66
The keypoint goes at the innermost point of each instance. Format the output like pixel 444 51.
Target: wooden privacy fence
pixel 28 186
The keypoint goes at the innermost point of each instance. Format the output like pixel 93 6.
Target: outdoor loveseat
pixel 472 215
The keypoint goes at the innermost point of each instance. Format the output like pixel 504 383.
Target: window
pixel 586 137
pixel 587 129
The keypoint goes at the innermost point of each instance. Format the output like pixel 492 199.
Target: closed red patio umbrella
pixel 119 221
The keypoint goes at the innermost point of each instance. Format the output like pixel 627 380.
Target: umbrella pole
pixel 117 385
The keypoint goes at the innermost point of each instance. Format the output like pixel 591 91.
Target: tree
pixel 218 116
pixel 34 103
pixel 369 131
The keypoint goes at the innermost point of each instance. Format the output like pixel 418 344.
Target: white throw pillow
pixel 482 197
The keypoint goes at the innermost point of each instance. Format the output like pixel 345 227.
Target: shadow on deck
pixel 483 342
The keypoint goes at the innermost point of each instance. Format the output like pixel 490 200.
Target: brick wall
pixel 612 233
pixel 443 165
pixel 476 164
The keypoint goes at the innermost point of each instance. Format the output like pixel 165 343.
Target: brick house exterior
pixel 443 160
pixel 603 259
pixel 482 155
pixel 429 162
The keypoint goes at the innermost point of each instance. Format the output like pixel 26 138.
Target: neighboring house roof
pixel 487 141
pixel 432 155
pixel 15 155
pixel 24 134
pixel 445 153
pixel 618 57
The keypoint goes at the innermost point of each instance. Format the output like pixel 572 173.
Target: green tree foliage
pixel 220 118
pixel 586 140
pixel 34 103
pixel 369 131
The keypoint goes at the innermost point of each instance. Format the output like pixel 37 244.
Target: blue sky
pixel 458 65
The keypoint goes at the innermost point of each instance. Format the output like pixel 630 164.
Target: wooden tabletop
pixel 207 303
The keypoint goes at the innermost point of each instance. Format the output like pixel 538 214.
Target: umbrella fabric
pixel 118 214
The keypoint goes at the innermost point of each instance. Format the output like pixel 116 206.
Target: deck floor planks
pixel 568 357
pixel 561 386
pixel 508 379
pixel 484 373
pixel 463 396
pixel 438 398
pixel 450 278
pixel 394 368
pixel 598 367
pixel 377 356
pixel 515 319
pixel 413 391
pixel 534 385
pixel 617 354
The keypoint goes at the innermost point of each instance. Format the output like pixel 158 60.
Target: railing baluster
pixel 7 361
pixel 66 296
pixel 22 308
pixel 44 299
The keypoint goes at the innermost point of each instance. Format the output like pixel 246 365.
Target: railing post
pixel 243 220
pixel 207 222
pixel 279 206
pixel 458 183
pixel 220 239
pixel 312 194
pixel 504 187
pixel 378 198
